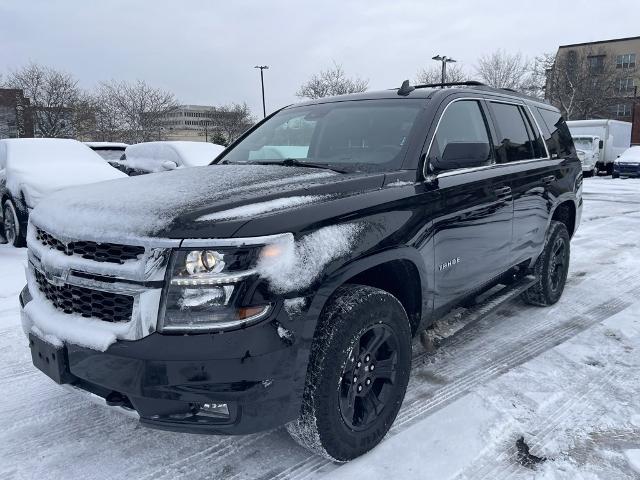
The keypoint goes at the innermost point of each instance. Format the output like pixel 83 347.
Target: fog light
pixel 218 410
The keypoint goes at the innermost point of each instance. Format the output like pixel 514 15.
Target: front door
pixel 473 212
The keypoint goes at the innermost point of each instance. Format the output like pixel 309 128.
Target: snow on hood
pixel 260 208
pixel 143 206
pixel 631 155
pixel 149 156
pixel 40 166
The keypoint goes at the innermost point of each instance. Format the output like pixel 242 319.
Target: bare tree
pixel 585 83
pixel 455 73
pixel 503 70
pixel 331 81
pixel 134 112
pixel 535 82
pixel 52 93
pixel 231 121
pixel 85 114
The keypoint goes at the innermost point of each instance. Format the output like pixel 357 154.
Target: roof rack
pixel 468 83
pixel 406 88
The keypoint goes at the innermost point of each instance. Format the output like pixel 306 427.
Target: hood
pixel 188 203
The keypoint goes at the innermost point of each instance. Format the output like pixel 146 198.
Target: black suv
pixel 283 284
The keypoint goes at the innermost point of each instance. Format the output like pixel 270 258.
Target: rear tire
pixel 11 225
pixel 357 375
pixel 551 268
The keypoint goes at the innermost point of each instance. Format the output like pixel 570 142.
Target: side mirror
pixel 169 165
pixel 463 155
pixel 600 144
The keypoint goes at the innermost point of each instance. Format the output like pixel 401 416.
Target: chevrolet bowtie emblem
pixel 58 278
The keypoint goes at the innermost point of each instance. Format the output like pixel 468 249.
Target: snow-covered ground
pixel 564 379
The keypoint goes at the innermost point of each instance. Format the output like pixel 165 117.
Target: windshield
pixel 583 143
pixel 110 154
pixel 358 135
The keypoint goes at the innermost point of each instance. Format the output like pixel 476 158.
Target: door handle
pixel 502 191
pixel 548 179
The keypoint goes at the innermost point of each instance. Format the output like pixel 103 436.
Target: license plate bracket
pixel 50 359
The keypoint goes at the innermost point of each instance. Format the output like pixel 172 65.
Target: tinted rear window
pixel 515 142
pixel 559 138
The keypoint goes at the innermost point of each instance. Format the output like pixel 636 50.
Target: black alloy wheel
pixel 369 376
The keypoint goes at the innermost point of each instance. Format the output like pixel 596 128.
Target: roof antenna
pixel 405 89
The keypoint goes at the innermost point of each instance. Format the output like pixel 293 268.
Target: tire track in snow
pixel 418 408
pixel 505 466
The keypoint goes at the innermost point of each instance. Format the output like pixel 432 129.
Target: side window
pixel 560 135
pixel 516 140
pixel 461 140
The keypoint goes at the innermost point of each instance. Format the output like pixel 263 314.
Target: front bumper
pixel 627 170
pixel 257 372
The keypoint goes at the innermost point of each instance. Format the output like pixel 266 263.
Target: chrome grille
pixel 106 306
pixel 98 252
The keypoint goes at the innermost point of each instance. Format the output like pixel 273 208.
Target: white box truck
pixel 613 137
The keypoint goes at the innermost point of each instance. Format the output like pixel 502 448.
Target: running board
pixel 460 318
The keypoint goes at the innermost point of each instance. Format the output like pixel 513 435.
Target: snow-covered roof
pixel 39 166
pixel 150 155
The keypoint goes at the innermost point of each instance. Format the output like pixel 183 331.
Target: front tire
pixel 551 268
pixel 11 225
pixel 357 375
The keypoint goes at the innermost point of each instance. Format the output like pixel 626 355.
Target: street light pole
pixel 444 59
pixel 262 67
pixel 633 113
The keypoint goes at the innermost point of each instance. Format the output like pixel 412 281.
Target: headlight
pixel 206 285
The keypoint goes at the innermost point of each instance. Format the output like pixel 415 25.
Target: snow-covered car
pixel 627 164
pixel 110 151
pixel 588 150
pixel 150 157
pixel 31 168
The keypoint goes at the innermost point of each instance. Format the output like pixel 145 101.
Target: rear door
pixel 523 156
pixel 473 212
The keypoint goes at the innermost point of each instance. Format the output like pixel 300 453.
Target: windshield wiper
pixel 294 162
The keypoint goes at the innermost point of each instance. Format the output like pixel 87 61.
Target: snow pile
pixel 300 263
pixel 40 166
pixel 260 208
pixel 150 156
pixel 143 206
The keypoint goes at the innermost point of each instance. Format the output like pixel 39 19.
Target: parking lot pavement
pixel 525 392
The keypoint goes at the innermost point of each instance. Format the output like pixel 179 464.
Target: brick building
pixel 16 116
pixel 621 58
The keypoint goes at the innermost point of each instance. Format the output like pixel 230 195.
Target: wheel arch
pixel 565 211
pixel 387 270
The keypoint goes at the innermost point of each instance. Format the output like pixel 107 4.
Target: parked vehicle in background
pixel 150 157
pixel 627 164
pixel 31 168
pixel 108 150
pixel 615 136
pixel 263 290
pixel 588 150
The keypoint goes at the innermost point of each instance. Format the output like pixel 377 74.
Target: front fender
pixel 341 276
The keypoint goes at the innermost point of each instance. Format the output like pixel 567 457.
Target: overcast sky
pixel 204 51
